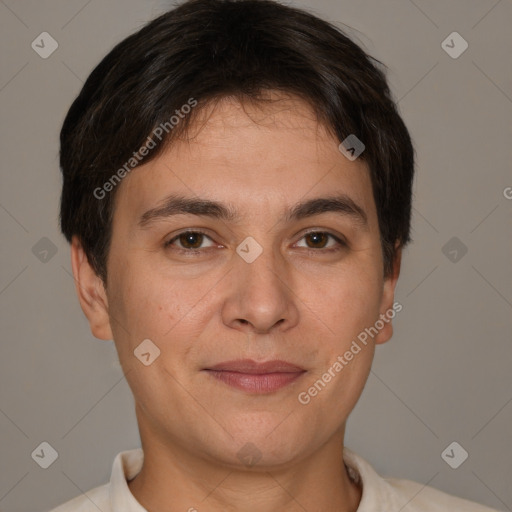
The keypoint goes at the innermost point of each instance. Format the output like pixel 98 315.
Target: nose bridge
pixel 261 295
pixel 260 267
pixel 259 263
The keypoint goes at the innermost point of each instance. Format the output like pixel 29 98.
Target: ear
pixel 388 309
pixel 91 292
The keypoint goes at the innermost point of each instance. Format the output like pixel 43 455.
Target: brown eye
pixel 318 240
pixel 189 241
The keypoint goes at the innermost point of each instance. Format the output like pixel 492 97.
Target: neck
pixel 177 481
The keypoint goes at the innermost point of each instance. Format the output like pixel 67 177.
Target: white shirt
pixel 379 494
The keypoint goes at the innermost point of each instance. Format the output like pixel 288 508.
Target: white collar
pixel 127 465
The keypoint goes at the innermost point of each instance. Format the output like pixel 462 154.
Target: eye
pixel 192 241
pixel 320 239
pixel 189 241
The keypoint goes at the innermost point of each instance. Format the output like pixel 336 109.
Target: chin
pixel 263 444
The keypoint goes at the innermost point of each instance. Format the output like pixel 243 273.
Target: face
pixel 286 265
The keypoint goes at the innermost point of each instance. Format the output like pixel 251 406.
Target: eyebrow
pixel 181 205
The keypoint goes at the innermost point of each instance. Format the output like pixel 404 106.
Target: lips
pixel 250 366
pixel 253 377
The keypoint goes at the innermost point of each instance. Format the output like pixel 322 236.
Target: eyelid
pixel 169 242
pixel 338 238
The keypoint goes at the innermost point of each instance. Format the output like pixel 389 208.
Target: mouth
pixel 257 378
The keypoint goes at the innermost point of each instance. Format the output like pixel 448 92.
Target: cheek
pixel 347 307
pixel 142 307
pixel 142 295
pixel 344 302
pixel 169 311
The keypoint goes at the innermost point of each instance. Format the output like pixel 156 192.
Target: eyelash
pixel 196 252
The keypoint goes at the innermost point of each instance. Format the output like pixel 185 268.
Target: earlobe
pixel 388 308
pixel 91 292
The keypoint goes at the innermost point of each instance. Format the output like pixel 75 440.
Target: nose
pixel 260 298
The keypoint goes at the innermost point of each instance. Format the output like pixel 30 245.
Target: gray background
pixel 444 377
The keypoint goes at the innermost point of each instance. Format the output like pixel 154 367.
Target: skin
pixel 297 302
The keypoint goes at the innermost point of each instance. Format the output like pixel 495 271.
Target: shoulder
pixel 417 497
pixel 92 501
pixel 394 494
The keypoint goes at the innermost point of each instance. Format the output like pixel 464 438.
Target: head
pixel 225 117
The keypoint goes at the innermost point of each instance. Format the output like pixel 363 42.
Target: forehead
pixel 254 155
pixel 239 129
